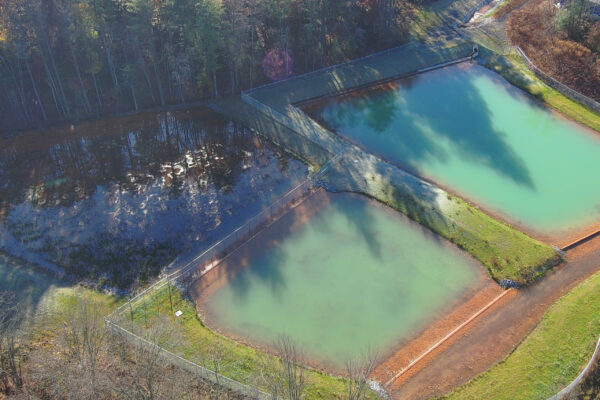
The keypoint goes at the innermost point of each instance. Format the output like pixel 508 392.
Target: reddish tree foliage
pixel 572 63
pixel 277 65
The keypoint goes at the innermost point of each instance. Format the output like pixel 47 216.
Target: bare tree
pixel 11 349
pixel 69 363
pixel 77 358
pixel 287 379
pixel 85 337
pixel 217 360
pixel 146 374
pixel 358 372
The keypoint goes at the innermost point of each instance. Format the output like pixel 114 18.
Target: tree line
pixel 69 59
pixel 70 354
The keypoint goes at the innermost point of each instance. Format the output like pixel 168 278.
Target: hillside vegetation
pixel 64 59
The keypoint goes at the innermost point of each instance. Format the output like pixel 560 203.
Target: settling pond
pixel 467 129
pixel 117 200
pixel 338 274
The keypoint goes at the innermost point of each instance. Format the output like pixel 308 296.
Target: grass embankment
pixel 514 70
pixel 550 357
pixel 506 252
pixel 236 361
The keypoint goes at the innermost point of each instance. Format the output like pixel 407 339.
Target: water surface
pixel 116 200
pixel 467 129
pixel 356 276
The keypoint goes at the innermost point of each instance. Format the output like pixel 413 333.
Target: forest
pixel 66 60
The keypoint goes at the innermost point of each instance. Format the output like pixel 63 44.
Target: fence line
pixel 207 260
pixel 271 113
pixel 326 69
pixel 216 250
pixel 563 394
pixel 467 17
pixel 309 124
pixel 561 87
pixel 191 367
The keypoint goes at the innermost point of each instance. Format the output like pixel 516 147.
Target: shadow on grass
pixel 24 285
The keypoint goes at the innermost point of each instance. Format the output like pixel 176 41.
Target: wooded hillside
pixel 67 59
pixel 564 41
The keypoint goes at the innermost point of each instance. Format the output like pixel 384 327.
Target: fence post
pixel 131 312
pixel 145 315
pixel 170 296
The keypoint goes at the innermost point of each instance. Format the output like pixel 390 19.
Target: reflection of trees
pixel 375 106
pixel 120 207
pixel 413 123
pixel 180 151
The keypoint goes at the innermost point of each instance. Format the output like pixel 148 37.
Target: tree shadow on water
pixel 266 270
pixel 462 116
pixel 407 122
pixel 264 262
pixel 358 213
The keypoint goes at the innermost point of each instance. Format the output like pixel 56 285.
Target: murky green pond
pixel 355 276
pixel 467 129
pixel 117 200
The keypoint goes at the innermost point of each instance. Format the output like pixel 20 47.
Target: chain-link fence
pixel 553 83
pixel 239 388
pixel 305 137
pixel 277 100
pixel 210 256
pixel 594 363
pixel 310 74
pixel 388 64
pixel 123 320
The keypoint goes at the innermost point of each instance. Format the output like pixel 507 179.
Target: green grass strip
pixel 514 69
pixel 550 357
pixel 239 362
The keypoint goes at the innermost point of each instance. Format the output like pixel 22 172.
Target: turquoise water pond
pixel 355 276
pixel 470 131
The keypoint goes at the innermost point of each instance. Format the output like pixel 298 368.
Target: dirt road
pixel 491 337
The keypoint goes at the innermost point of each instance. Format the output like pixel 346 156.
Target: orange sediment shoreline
pixel 572 241
pixel 434 331
pixel 455 314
